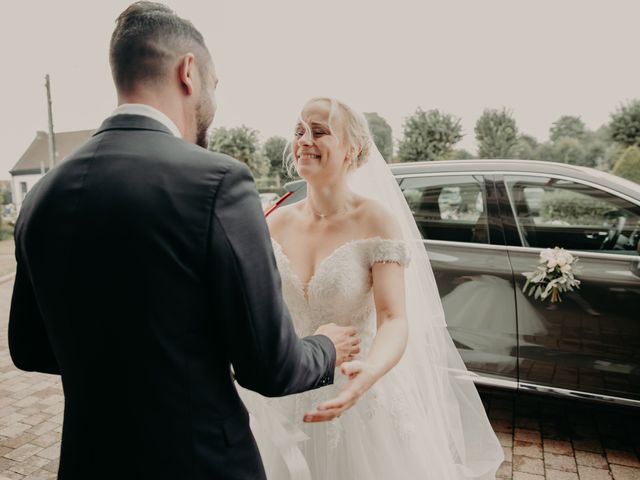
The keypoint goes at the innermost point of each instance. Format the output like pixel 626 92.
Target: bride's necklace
pixel 343 209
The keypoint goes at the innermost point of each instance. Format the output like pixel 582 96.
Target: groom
pixel 145 270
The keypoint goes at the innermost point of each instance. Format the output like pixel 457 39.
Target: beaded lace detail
pixel 340 292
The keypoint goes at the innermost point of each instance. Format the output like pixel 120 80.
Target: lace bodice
pixel 340 290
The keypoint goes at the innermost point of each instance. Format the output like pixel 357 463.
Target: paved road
pixel 542 439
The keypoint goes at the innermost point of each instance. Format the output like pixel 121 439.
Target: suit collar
pixel 132 122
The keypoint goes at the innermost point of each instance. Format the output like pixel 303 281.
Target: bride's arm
pixel 391 338
pixel 390 341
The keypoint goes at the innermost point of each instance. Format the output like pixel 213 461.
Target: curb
pixel 8 277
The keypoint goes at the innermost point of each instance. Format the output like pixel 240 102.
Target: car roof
pixel 509 165
pixel 515 166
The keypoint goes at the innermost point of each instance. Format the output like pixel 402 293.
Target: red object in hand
pixel 277 204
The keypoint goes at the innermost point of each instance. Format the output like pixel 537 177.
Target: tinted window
pixel 556 212
pixel 449 207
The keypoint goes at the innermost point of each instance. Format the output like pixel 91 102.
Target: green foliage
pixel 6 228
pixel 570 150
pixel 5 192
pixel 628 165
pixel 274 150
pixel 611 155
pixel 545 152
pixel 459 154
pixel 242 144
pixel 429 136
pixel 567 126
pixel 571 209
pixel 381 133
pixel 524 148
pixel 625 124
pixel 496 133
pixel 595 151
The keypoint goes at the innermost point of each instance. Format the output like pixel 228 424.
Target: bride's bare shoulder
pixel 377 219
pixel 282 217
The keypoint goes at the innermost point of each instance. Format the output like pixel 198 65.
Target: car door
pixel 588 344
pixel 458 217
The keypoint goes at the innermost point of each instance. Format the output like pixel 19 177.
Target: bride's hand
pixel 361 376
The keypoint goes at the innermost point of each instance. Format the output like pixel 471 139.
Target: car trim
pixel 484 246
pixel 507 248
pixel 581 254
pixel 483 381
pixel 565 393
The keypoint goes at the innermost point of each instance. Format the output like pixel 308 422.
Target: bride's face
pixel 319 149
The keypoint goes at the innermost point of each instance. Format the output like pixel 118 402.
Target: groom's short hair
pixel 147 39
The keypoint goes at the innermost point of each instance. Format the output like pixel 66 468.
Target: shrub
pixel 628 165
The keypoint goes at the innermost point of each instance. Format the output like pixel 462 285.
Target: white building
pixel 34 162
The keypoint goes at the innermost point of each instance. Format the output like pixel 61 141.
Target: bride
pixel 350 253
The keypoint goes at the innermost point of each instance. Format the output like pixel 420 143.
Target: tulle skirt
pixel 387 435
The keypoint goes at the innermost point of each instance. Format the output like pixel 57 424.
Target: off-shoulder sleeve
pixel 386 251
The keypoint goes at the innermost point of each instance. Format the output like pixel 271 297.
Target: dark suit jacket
pixel 145 270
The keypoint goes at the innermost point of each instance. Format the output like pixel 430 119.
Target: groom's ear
pixel 186 72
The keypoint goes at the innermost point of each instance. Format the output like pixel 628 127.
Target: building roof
pixel 37 154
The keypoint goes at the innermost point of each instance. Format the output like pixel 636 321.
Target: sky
pixel 538 58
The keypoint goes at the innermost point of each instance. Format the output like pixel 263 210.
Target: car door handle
pixel 594 235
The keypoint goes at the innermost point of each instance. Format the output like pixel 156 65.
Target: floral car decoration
pixel 553 275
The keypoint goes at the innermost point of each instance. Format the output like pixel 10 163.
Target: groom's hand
pixel 361 376
pixel 345 340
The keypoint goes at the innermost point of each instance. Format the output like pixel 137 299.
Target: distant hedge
pixel 628 165
pixel 573 209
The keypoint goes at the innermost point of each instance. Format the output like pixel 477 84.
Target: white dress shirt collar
pixel 148 111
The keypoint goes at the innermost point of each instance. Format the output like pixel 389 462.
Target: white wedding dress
pixel 389 433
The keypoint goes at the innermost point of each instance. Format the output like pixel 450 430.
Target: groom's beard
pixel 202 137
pixel 203 120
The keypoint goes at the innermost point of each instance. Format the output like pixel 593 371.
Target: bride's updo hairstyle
pixel 356 131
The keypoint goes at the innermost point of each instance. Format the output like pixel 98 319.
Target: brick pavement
pixel 542 439
pixel 31 406
pixel 554 439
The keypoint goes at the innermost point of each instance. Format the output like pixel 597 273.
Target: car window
pixel 558 212
pixel 449 208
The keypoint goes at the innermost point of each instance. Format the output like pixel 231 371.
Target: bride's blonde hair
pixel 356 127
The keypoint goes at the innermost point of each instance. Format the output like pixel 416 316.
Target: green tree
pixel 628 165
pixel 611 155
pixel 242 144
pixel 625 124
pixel 595 151
pixel 274 150
pixel 382 134
pixel 544 151
pixel 459 154
pixel 567 126
pixel 496 133
pixel 524 148
pixel 570 150
pixel 428 136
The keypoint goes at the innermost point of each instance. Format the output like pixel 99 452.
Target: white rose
pixel 562 261
pixel 552 263
pixel 566 268
pixel 546 255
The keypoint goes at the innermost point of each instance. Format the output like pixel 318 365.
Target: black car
pixel 484 223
